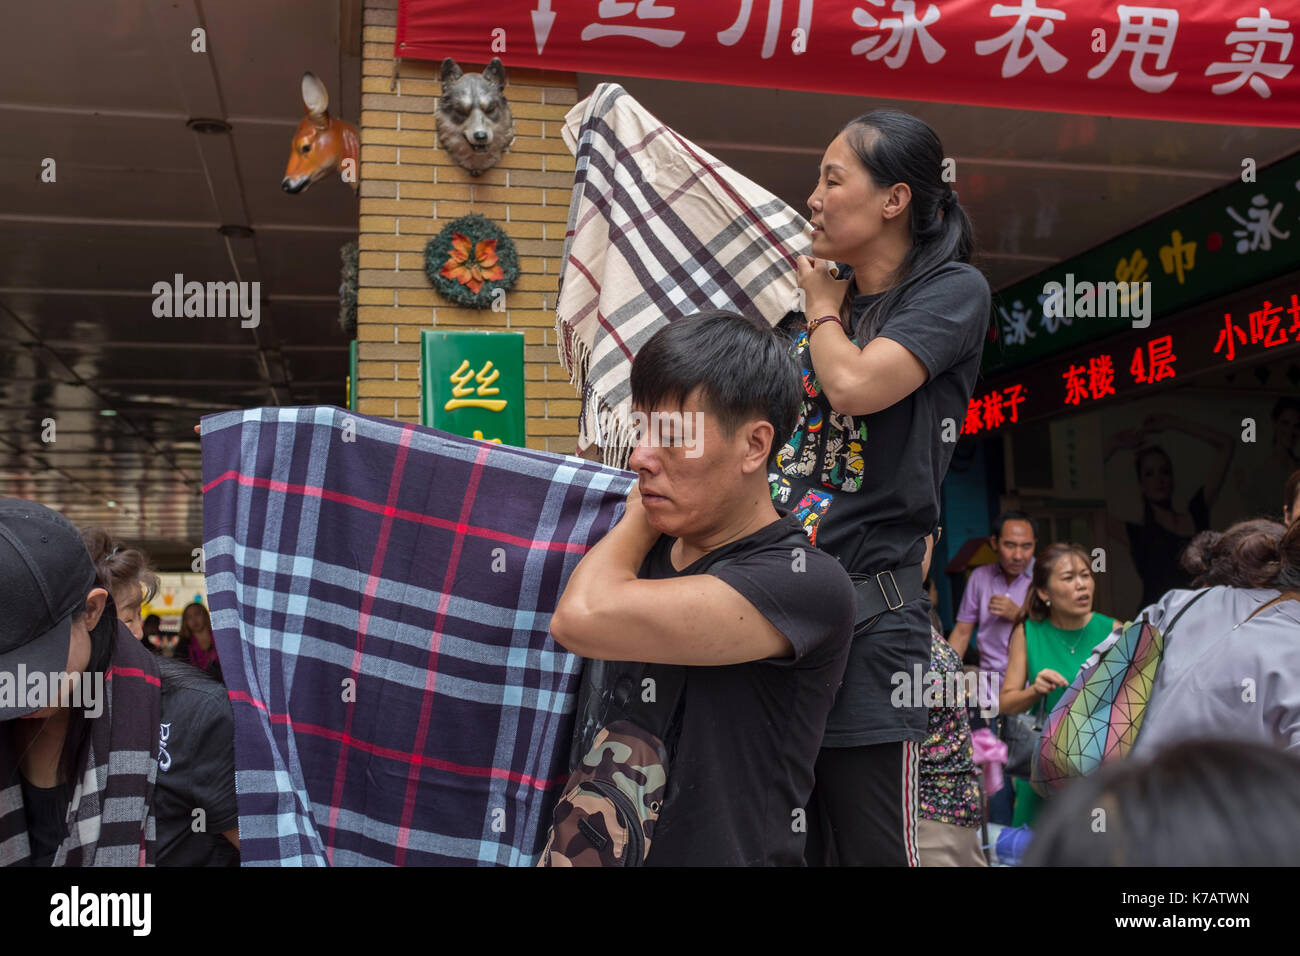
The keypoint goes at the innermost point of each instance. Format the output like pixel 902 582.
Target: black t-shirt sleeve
pixel 944 320
pixel 812 607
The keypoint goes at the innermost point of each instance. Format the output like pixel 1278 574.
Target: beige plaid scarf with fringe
pixel 658 229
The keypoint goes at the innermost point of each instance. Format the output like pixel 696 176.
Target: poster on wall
pixel 1177 465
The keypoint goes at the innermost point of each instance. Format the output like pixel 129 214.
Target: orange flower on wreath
pixel 472 264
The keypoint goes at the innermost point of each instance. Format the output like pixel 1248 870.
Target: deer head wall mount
pixel 321 143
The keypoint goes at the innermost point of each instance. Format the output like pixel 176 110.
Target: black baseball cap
pixel 45 575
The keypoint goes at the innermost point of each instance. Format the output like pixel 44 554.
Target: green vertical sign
pixel 352 376
pixel 472 384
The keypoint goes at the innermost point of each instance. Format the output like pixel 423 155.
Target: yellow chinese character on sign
pixel 1178 256
pixel 479 435
pixel 460 388
pixel 1132 269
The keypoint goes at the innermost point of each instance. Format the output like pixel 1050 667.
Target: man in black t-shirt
pixel 703 571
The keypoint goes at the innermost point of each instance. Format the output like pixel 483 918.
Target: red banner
pixel 1213 61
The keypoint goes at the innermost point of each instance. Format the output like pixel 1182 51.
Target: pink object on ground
pixel 991 754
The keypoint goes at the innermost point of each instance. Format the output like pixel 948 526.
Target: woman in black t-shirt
pixel 888 358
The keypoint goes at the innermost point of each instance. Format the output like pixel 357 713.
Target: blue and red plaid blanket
pixel 380 598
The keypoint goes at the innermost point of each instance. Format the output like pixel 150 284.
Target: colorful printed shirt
pixel 949 788
pixel 871 505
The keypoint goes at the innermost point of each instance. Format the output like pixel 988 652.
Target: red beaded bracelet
pixel 813 325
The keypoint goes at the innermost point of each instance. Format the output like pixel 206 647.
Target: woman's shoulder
pixel 957 295
pixel 961 270
pixel 961 276
pixel 1212 604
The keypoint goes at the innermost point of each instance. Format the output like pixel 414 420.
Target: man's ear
pixel 96 601
pixel 759 435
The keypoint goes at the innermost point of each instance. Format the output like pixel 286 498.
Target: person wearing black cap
pixel 154 737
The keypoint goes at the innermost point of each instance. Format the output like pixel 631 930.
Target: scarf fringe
pixel 599 423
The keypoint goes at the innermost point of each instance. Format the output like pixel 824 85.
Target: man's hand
pixel 1004 607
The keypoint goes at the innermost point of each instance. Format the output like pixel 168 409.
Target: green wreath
pixel 469 260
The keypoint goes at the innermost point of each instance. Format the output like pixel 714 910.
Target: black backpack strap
pixel 1164 633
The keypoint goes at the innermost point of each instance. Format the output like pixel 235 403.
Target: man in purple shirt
pixel 994 595
pixel 996 592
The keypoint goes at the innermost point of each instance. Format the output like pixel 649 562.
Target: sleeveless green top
pixel 1047 645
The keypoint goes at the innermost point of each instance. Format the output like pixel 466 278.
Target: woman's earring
pixel 1049 602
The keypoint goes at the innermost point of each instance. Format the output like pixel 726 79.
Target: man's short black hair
pixel 1006 516
pixel 740 365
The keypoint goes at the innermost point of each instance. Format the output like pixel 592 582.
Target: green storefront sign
pixel 472 384
pixel 1244 233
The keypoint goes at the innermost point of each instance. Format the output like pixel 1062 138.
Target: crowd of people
pixel 780 579
pixel 1232 672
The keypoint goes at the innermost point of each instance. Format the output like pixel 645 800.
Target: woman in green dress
pixel 1057 631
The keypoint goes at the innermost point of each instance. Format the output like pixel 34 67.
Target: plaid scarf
pixel 381 595
pixel 119 773
pixel 657 229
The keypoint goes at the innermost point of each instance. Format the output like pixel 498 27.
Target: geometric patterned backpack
pixel 1099 716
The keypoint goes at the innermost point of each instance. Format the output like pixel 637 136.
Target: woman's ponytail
pixel 896 147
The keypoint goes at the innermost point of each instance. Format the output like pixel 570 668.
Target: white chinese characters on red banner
pixel 1227 61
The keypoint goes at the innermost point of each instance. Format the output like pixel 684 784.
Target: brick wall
pixel 411 188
